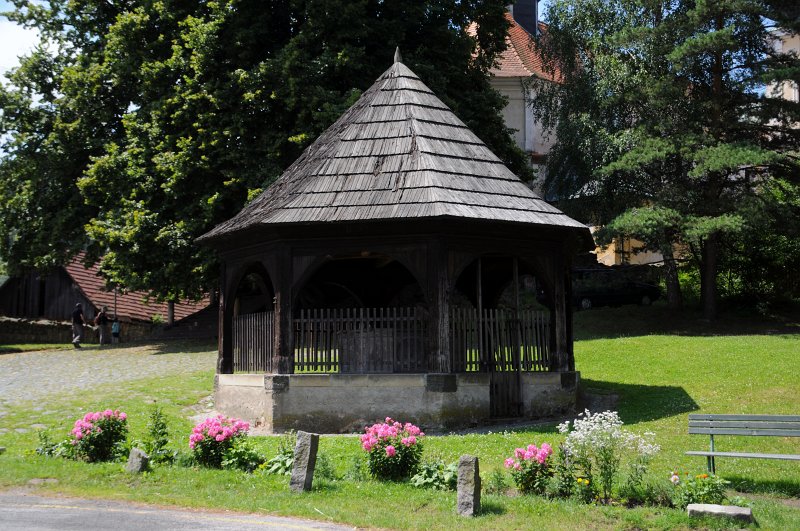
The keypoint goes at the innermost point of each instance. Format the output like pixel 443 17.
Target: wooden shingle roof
pixel 397 153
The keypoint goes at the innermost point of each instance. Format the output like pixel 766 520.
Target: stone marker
pixel 305 458
pixel 744 514
pixel 469 486
pixel 138 461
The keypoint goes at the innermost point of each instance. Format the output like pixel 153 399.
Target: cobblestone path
pixel 34 375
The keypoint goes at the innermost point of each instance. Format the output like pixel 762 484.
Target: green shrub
pixel 48 448
pixel 497 482
pixel 156 445
pixel 284 460
pixel 436 475
pixel 100 435
pixel 324 469
pixel 699 489
pixel 242 456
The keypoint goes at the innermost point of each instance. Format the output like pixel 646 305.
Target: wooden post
pixel 562 314
pixel 283 357
pixel 479 290
pixel 441 361
pixel 225 341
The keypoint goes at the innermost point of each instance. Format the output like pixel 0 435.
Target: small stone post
pixel 469 486
pixel 138 461
pixel 305 458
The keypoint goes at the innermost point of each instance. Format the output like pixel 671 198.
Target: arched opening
pixel 374 281
pixel 252 318
pixel 500 323
pixel 364 314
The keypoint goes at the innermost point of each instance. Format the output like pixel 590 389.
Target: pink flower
pixel 509 462
pixel 519 453
pixel 390 451
pixel 412 440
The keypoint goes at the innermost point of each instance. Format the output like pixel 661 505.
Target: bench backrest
pixel 763 425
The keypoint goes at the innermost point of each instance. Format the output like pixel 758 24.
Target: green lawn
pixel 657 380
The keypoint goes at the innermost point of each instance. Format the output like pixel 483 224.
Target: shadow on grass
pixel 630 321
pixel 751 486
pixel 489 507
pixel 182 346
pixel 636 403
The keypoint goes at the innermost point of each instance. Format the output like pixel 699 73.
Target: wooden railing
pixel 252 342
pixel 394 340
pixel 360 340
pixel 499 341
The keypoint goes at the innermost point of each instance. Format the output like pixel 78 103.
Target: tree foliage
pixel 137 126
pixel 663 106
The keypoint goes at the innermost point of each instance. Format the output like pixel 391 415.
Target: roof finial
pixel 397 57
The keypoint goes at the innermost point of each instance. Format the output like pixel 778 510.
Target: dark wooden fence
pixel 500 341
pixel 252 342
pixel 393 340
pixel 360 340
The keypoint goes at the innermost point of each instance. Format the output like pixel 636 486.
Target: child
pixel 115 327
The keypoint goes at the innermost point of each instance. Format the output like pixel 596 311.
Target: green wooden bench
pixel 752 425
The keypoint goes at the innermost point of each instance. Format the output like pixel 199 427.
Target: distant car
pixel 609 288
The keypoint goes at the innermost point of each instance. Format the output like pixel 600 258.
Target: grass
pixel 655 381
pixel 30 347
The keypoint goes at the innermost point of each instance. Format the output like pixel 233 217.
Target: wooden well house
pixel 396 268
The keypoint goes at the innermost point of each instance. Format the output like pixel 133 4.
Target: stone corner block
pixel 276 383
pixel 441 383
pixel 305 459
pixel 469 486
pixel 744 514
pixel 138 461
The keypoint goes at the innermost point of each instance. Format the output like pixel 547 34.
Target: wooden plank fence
pixel 488 344
pixel 360 340
pixel 252 342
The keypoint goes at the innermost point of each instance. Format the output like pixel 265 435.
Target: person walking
pixel 101 320
pixel 77 325
pixel 115 329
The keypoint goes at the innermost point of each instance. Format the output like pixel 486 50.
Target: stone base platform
pixel 344 403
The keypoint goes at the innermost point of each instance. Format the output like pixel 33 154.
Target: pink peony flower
pixel 509 462
pixel 390 451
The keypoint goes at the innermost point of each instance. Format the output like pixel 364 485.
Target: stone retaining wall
pixel 342 403
pixel 16 331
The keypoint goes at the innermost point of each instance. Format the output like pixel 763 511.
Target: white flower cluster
pixel 597 432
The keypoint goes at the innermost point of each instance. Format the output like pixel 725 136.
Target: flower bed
pixel 394 449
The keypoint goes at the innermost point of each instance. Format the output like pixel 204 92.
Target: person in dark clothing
pixel 77 325
pixel 101 320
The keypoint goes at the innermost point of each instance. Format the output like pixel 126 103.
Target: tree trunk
pixel 674 295
pixel 708 277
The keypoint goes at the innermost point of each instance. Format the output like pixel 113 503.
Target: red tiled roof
pixel 521 58
pixel 130 304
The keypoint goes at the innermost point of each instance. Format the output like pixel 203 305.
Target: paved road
pixel 34 375
pixel 22 511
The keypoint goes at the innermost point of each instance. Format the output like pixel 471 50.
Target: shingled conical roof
pixel 397 153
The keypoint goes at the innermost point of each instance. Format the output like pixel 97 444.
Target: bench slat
pixel 773 418
pixel 749 432
pixel 749 424
pixel 786 457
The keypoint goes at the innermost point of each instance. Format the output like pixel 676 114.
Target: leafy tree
pixel 138 126
pixel 662 106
